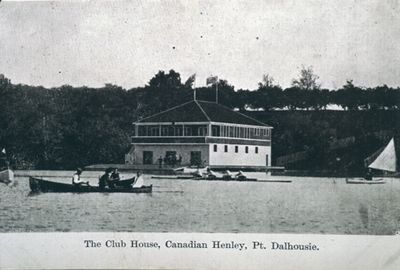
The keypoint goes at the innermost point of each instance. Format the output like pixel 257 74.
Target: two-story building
pixel 201 133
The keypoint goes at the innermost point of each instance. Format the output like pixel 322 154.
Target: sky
pixel 127 43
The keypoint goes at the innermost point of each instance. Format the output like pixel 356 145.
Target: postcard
pixel 199 134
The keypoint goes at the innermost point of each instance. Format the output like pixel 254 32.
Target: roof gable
pixel 219 113
pixel 201 111
pixel 186 112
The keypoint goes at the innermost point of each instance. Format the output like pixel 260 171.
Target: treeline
pixel 65 127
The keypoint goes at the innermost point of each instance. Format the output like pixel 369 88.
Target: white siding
pixel 231 158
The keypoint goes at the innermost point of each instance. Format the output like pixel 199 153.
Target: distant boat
pixel 386 161
pixel 6 176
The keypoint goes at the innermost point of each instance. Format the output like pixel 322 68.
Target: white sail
pixel 386 161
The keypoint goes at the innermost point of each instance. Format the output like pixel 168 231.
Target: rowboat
pixel 225 179
pixel 41 185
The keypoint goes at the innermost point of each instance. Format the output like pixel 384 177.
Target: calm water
pixel 307 205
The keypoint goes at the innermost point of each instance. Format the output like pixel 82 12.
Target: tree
pixel 295 98
pixel 190 81
pixel 164 90
pixel 268 95
pixel 226 93
pixel 4 80
pixel 307 80
pixel 267 81
pixel 349 96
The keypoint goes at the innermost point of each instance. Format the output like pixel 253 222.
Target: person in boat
pixel 211 174
pixel 240 176
pixel 115 175
pixel 368 175
pixel 104 180
pixel 197 173
pixel 227 175
pixel 110 180
pixel 76 178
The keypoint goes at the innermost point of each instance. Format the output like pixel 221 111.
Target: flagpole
pixel 216 92
pixel 194 89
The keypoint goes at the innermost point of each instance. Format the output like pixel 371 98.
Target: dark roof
pixel 202 111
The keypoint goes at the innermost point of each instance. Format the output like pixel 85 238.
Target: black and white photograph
pixel 200 117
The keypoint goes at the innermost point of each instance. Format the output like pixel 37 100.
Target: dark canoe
pixel 40 185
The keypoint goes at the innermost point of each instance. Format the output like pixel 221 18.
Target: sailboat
pixel 386 161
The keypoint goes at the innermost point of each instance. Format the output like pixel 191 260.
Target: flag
pixel 212 80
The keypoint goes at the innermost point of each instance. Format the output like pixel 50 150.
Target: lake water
pixel 307 205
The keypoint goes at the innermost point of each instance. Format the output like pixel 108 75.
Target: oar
pixel 168 191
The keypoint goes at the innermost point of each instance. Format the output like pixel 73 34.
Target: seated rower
pixel 197 173
pixel 227 175
pixel 368 175
pixel 110 181
pixel 115 175
pixel 76 178
pixel 104 180
pixel 240 176
pixel 211 174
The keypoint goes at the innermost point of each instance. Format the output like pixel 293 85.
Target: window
pixel 236 149
pixel 202 131
pixel 147 157
pixel 195 158
pixel 215 130
pixel 226 148
pixel 215 148
pixel 188 131
pixel 256 149
pixel 142 130
pixel 178 131
pixel 154 131
pixel 246 149
pixel 231 132
pixel 164 131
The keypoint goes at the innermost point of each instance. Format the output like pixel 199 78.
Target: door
pixel 195 158
pixel 170 158
pixel 147 157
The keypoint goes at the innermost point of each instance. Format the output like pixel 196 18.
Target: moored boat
pixel 364 181
pixel 41 185
pixel 225 179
